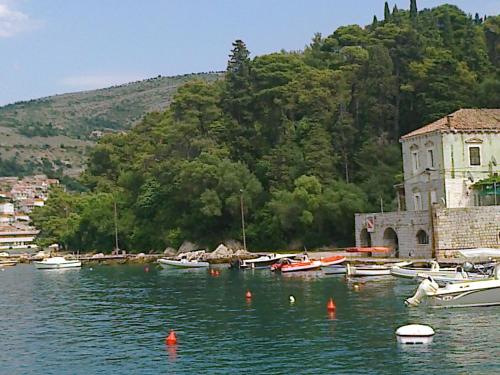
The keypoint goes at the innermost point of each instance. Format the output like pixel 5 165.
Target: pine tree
pixel 413 9
pixel 387 12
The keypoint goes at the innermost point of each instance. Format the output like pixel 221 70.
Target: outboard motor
pixel 426 288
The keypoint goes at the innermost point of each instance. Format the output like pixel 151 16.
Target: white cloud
pixel 13 22
pixel 97 81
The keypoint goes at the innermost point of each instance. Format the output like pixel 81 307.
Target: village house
pixel 450 197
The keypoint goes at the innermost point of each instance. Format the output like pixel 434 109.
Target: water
pixel 114 320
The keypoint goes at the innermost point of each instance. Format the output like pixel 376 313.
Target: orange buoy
pixel 212 272
pixel 248 295
pixel 171 338
pixel 330 306
pixel 216 273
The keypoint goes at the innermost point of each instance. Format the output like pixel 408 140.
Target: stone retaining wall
pixel 464 228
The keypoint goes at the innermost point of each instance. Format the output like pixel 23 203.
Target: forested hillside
pixel 305 139
pixel 52 134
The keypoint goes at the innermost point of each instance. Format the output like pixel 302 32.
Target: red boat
pixel 288 265
pixel 330 261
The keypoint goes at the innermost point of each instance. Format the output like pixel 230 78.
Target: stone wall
pixel 468 227
pixel 406 225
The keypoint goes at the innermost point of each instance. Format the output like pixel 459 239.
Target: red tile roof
pixel 463 120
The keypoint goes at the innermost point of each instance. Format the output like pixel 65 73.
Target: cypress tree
pixel 395 10
pixel 374 22
pixel 413 9
pixel 387 12
pixel 477 20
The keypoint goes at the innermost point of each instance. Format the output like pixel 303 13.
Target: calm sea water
pixel 114 319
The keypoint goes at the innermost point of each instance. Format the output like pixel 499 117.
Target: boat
pixel 459 276
pixel 372 269
pixel 480 253
pixel 263 261
pixel 57 263
pixel 7 263
pixel 306 265
pixel 336 269
pixel 333 260
pixel 183 262
pixel 411 272
pixel 461 294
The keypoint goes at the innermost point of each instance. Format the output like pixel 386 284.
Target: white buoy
pixel 415 334
pixel 292 299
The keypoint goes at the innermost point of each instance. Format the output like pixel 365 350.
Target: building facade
pixel 451 169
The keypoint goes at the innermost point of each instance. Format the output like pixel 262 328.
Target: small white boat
pixel 373 269
pixel 456 278
pixel 57 263
pixel 411 272
pixel 336 269
pixel 461 294
pixel 182 263
pixel 263 261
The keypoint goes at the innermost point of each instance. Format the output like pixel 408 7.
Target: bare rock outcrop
pixel 187 247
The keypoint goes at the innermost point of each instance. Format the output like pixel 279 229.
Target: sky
pixel 51 47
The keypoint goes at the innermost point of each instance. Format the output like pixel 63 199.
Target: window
pixel 418 201
pixel 474 156
pixel 415 161
pixel 422 237
pixel 430 157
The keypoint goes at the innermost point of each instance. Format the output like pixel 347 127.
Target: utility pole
pixel 243 220
pixel 116 230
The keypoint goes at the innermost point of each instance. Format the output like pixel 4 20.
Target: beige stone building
pixel 449 199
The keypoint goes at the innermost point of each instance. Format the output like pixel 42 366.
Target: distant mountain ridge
pixel 57 129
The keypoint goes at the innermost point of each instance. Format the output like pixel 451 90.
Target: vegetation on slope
pixel 77 119
pixel 304 139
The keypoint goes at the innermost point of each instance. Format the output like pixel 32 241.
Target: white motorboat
pixel 461 294
pixel 57 263
pixel 411 272
pixel 263 261
pixel 373 269
pixel 182 263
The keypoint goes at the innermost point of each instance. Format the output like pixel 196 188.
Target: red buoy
pixel 248 295
pixel 212 272
pixel 146 269
pixel 216 273
pixel 171 338
pixel 330 306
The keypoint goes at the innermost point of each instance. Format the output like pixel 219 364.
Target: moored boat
pixel 182 263
pixel 336 269
pixel 330 261
pixel 263 261
pixel 301 266
pixel 57 263
pixel 411 272
pixel 7 263
pixel 372 269
pixel 461 294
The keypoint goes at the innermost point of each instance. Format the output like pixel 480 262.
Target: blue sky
pixel 54 46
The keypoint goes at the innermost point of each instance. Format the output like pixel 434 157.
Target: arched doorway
pixel 391 240
pixel 365 238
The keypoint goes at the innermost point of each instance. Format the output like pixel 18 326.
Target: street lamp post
pixel 243 220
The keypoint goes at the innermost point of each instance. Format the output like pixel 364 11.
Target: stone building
pixel 449 198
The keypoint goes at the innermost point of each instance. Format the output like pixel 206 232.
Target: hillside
pixel 58 129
